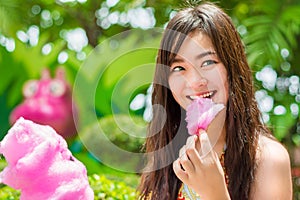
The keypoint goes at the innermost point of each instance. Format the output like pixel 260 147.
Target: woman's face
pixel 198 72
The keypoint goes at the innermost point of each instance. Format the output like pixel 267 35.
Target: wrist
pixel 214 194
pixel 222 195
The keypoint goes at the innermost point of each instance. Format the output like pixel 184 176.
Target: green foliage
pixel 118 69
pixel 116 140
pixel 24 63
pixel 7 193
pixel 269 32
pixel 104 189
pixel 270 29
pixel 124 131
pixel 131 141
pixel 107 184
pixel 10 16
pixel 267 27
pixel 108 189
pixel 93 166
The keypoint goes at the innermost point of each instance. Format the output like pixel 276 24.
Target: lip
pixel 207 94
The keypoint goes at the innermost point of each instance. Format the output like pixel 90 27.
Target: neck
pixel 221 142
pixel 217 133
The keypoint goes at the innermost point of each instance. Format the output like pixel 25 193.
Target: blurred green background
pixel 38 34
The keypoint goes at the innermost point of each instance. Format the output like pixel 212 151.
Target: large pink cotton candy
pixel 200 113
pixel 41 166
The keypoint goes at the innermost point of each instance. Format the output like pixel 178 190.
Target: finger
pixel 191 141
pixel 179 172
pixel 182 151
pixel 197 141
pixel 206 148
pixel 193 154
pixel 186 164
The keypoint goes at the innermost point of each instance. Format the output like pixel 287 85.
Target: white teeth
pixel 202 96
pixel 194 97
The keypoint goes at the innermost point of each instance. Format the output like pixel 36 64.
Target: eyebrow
pixel 201 55
pixel 206 53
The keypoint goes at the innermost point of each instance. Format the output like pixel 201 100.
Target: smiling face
pixel 198 72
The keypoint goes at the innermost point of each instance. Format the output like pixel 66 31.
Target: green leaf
pixel 11 16
pixel 117 60
pixel 7 69
pixel 33 59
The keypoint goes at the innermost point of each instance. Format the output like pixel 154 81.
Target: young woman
pixel 201 55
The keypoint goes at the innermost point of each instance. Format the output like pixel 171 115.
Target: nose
pixel 195 80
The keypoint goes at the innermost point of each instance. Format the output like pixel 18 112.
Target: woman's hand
pixel 199 167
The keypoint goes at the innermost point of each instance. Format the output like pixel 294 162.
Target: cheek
pixel 226 90
pixel 224 85
pixel 220 80
pixel 173 84
pixel 176 85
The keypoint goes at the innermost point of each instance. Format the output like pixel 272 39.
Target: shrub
pixel 104 189
pixel 125 132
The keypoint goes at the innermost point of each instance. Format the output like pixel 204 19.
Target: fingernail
pixel 201 131
pixel 203 136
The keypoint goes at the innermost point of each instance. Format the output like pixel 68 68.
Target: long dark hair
pixel 243 121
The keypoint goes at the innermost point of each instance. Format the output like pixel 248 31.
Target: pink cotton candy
pixel 41 166
pixel 200 113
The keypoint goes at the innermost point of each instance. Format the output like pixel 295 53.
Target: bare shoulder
pixel 273 166
pixel 271 151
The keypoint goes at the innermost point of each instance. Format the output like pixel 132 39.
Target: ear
pixel 60 73
pixel 45 74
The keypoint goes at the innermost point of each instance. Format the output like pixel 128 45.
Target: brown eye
pixel 57 88
pixel 177 69
pixel 30 88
